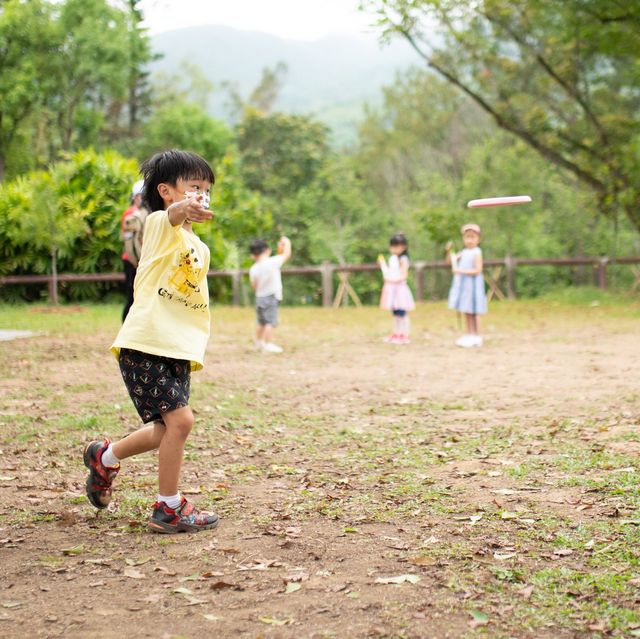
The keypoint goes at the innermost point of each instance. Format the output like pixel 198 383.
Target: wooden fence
pixel 500 275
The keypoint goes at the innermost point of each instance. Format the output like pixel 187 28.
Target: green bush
pixel 74 211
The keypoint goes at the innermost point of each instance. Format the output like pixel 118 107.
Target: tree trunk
pixel 133 109
pixel 53 289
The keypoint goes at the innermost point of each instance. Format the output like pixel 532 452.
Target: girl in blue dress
pixel 467 294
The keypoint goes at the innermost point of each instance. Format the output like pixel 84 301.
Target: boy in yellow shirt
pixel 163 338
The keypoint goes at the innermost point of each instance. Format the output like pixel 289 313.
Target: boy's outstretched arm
pixel 188 209
pixel 284 246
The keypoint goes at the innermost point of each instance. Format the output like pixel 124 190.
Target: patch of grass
pixel 66 320
pixel 43 517
pixel 568 595
pixel 512 575
pixel 629 436
pixel 582 459
pixel 592 297
pixel 78 388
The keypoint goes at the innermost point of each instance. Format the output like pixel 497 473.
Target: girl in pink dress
pixel 396 294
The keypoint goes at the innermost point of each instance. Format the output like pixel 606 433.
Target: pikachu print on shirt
pixel 185 279
pixel 186 275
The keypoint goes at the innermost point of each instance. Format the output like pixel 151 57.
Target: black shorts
pixel 156 384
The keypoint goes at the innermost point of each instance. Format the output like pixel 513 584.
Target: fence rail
pixel 504 268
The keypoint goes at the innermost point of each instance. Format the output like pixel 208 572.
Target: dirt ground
pixel 364 489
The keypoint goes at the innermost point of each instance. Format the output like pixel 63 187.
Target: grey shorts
pixel 267 310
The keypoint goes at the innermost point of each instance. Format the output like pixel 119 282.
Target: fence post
pixel 602 272
pixel 419 266
pixel 327 284
pixel 53 282
pixel 53 290
pixel 510 266
pixel 236 281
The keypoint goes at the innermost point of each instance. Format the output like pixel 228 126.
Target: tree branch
pixel 503 123
pixel 542 61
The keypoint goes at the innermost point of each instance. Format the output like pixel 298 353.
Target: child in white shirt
pixel 266 281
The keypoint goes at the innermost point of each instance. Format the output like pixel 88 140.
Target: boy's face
pixel 171 193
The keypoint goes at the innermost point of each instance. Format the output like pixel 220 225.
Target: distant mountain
pixel 330 78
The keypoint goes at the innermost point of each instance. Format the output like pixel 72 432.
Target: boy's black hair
pixel 258 247
pixel 168 167
pixel 400 239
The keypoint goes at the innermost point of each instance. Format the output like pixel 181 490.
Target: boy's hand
pixel 190 209
pixel 284 247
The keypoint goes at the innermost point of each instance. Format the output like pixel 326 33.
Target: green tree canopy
pixel 564 77
pixel 92 71
pixel 280 156
pixel 240 215
pixel 333 217
pixel 423 124
pixel 184 125
pixel 71 76
pixel 428 149
pixel 280 153
pixel 29 42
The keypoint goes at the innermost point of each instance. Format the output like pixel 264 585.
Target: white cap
pixel 137 189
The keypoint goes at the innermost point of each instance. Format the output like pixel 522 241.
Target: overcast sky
pixel 298 19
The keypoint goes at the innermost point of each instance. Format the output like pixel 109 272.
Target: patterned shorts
pixel 156 384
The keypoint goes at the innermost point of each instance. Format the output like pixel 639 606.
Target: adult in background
pixel 132 226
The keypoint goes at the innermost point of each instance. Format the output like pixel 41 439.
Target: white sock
pixel 109 459
pixel 173 501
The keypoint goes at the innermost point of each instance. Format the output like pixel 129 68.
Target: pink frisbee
pixel 499 201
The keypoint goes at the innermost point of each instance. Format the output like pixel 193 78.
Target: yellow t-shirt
pixel 170 311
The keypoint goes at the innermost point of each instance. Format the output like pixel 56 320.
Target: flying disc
pixel 499 201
